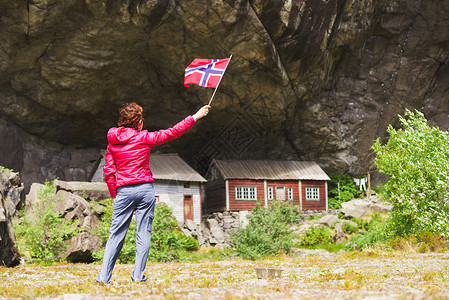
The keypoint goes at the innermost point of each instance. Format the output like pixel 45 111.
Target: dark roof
pixel 172 167
pixel 270 170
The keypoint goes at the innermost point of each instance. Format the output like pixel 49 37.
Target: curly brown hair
pixel 130 115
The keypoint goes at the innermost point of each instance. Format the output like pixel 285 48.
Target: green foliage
pixel 268 231
pixel 316 235
pixel 348 190
pixel 349 228
pixel 375 234
pixel 189 243
pixel 43 234
pixel 5 170
pixel 416 159
pixel 167 241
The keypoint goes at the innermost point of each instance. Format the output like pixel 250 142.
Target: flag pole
pixel 219 81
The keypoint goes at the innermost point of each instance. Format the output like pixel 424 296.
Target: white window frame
pixel 246 193
pixel 270 193
pixel 290 193
pixel 312 193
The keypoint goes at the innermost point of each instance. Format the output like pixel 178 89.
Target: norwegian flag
pixel 205 72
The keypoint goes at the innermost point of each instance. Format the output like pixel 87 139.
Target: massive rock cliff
pixel 309 80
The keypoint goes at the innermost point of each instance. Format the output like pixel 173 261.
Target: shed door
pixel 188 207
pixel 280 193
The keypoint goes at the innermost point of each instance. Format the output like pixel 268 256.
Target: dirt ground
pixel 309 275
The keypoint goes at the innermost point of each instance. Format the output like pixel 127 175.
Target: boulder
pixel 74 207
pixel 31 198
pixel 190 225
pixel 354 209
pixel 352 212
pixel 363 204
pixel 9 253
pixel 12 189
pixel 328 220
pixel 381 207
pixel 216 232
pixel 92 191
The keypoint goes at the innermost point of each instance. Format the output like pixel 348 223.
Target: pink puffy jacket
pixel 128 153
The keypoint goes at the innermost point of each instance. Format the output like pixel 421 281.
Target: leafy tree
pixel 44 233
pixel 268 232
pixel 416 159
pixel 348 190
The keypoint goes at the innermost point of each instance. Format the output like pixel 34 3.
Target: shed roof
pixel 270 170
pixel 173 167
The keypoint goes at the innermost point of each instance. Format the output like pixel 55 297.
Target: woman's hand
pixel 202 112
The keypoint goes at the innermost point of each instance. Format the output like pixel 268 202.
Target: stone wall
pixel 217 228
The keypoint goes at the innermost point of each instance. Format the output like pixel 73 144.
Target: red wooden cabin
pixel 235 185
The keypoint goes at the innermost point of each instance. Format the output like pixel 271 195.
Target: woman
pixel 130 182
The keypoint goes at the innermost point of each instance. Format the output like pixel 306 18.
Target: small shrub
pixel 349 228
pixel 43 235
pixel 426 242
pixel 315 236
pixel 190 243
pixel 268 232
pixel 401 243
pixel 433 242
pixel 375 236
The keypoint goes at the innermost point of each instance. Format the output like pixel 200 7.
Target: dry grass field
pixel 357 275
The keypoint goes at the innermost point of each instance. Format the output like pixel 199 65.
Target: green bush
pixel 348 190
pixel 316 236
pixel 375 236
pixel 43 236
pixel 167 241
pixel 268 232
pixel 349 228
pixel 5 170
pixel 416 159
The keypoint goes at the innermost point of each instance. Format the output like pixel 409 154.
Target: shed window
pixel 312 193
pixel 290 193
pixel 245 192
pixel 270 193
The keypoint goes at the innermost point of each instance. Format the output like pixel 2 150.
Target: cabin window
pixel 280 193
pixel 270 193
pixel 312 193
pixel 187 185
pixel 245 192
pixel 290 193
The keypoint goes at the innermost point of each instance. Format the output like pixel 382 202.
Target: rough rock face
pixel 74 203
pixel 310 80
pixel 11 187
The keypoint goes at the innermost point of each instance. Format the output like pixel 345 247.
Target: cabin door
pixel 188 207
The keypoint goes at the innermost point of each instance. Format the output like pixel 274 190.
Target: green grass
pixel 333 248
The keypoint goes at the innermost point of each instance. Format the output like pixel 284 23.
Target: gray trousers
pixel 138 199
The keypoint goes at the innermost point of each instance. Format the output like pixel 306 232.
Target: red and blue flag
pixel 205 72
